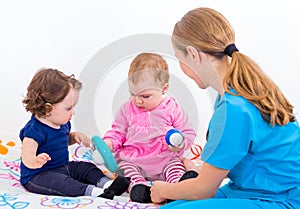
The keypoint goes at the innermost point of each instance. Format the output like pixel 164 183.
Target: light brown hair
pixel 149 61
pixel 210 32
pixel 48 87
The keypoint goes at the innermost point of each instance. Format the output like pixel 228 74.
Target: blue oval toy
pixel 104 151
pixel 174 137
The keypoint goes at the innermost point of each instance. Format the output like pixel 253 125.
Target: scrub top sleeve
pixel 229 135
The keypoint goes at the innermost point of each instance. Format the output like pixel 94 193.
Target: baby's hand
pixel 81 138
pixel 109 144
pixel 41 159
pixel 176 148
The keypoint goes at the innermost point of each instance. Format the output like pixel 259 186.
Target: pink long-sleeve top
pixel 139 136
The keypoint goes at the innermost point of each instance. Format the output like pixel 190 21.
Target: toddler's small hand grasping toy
pixel 174 137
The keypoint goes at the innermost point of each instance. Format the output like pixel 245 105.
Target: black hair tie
pixel 230 49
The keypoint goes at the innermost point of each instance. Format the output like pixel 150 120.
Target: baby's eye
pixel 145 96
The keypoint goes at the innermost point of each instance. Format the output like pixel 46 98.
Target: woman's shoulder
pixel 236 103
pixel 234 99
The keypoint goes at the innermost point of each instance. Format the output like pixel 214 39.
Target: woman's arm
pixel 28 154
pixel 202 187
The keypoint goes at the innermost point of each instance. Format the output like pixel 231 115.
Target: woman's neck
pixel 221 67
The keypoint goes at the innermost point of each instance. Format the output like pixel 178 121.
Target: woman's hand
pixel 189 165
pixel 156 190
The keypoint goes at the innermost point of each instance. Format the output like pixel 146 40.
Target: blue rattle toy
pixel 105 153
pixel 174 137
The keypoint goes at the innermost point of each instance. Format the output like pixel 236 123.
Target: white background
pixel 65 34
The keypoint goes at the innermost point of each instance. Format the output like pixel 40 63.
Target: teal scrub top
pixel 264 161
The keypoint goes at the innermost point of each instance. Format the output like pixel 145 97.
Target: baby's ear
pixel 48 107
pixel 165 88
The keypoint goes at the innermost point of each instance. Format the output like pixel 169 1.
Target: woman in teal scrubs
pixel 253 136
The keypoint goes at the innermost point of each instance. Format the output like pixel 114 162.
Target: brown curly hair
pixel 48 87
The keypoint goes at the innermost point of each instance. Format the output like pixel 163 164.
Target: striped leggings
pixel 171 173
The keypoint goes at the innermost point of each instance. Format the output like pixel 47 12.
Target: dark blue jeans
pixel 70 180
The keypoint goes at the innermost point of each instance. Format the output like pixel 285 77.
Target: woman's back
pixel 264 161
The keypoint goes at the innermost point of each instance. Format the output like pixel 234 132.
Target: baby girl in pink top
pixel 137 135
